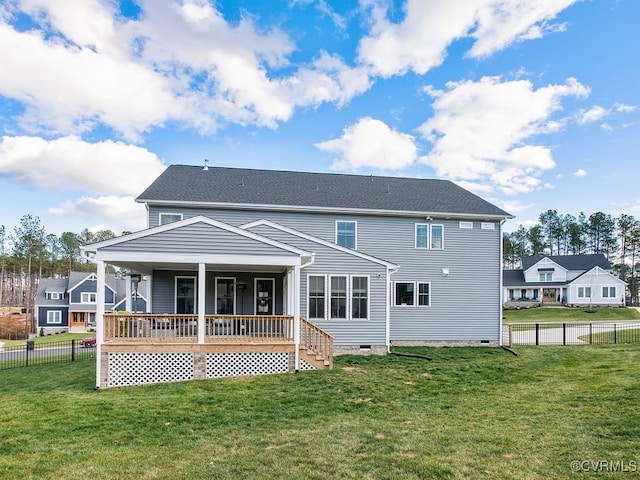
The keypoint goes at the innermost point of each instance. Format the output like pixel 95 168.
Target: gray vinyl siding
pixel 198 238
pixel 163 290
pixel 465 305
pixel 329 261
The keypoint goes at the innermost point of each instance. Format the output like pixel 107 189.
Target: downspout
pixel 390 271
pixel 501 297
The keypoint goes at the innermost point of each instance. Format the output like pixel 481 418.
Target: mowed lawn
pixel 569 314
pixel 471 413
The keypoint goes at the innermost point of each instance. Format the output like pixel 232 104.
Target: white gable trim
pixel 319 241
pixel 545 263
pixel 91 276
pixel 190 221
pixel 597 272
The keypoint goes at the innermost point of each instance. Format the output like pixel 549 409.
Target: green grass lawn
pixel 472 413
pixel 566 314
pixel 61 337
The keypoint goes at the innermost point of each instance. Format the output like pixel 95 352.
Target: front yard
pixel 471 413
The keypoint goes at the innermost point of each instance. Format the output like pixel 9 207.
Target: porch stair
pixel 316 346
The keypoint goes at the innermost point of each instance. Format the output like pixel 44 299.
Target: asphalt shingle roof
pixel 221 185
pixel 571 262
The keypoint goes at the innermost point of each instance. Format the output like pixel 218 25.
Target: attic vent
pixel 206 164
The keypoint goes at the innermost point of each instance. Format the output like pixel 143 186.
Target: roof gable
pixel 235 187
pixel 571 262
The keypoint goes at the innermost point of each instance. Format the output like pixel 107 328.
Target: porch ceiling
pixel 147 268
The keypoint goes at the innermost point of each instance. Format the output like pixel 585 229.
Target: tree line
pixel 618 239
pixel 29 252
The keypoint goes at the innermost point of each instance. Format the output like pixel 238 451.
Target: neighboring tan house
pixel 564 280
pixel 257 271
pixel 69 304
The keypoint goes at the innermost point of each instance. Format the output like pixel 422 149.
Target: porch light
pixel 445 272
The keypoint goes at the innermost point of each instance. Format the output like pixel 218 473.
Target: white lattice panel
pixel 304 365
pixel 143 368
pixel 239 364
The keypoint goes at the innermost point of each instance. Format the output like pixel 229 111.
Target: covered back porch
pixel 211 313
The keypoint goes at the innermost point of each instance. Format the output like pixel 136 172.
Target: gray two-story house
pixel 258 271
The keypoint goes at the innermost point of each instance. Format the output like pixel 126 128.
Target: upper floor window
pixel 464 224
pixel 88 297
pixel 487 226
pixel 429 236
pixel 170 218
pixel 346 234
pixel 54 295
pixel 546 276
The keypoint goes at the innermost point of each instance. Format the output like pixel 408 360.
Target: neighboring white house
pixel 564 279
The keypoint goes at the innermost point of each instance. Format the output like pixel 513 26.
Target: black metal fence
pixel 45 353
pixel 570 333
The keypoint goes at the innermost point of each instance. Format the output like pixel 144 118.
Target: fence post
pixel 564 334
pixel 73 349
pixel 537 334
pixel 590 333
pixel 615 333
pixel 510 335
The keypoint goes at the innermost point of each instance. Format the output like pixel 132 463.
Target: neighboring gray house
pixel 564 280
pixel 257 267
pixel 69 304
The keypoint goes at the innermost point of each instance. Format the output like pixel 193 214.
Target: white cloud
pixel 481 131
pixel 371 143
pixel 594 114
pixel 72 164
pixel 621 107
pixel 123 212
pixel 419 42
pixel 83 65
pixel 580 173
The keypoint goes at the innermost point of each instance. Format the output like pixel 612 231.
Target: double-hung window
pixel 338 291
pixel 608 292
pixel 359 297
pixel 429 236
pixel 54 317
pixel 584 292
pixel 412 294
pixel 317 296
pixel 546 276
pixel 342 297
pixel 88 297
pixel 346 234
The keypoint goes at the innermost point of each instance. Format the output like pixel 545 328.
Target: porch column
pixel 201 300
pixel 148 293
pixel 100 285
pixel 127 301
pixel 296 314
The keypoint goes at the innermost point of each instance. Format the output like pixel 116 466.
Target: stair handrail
pixel 316 340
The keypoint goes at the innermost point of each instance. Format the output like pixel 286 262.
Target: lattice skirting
pixel 141 368
pixel 254 363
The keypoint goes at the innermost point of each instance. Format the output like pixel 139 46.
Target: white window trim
pixel 416 295
pixel 429 236
pixel 55 295
pixel 195 293
pixel 89 294
pixel 235 293
pixel 465 224
pixel 350 298
pixel 324 277
pixel 49 322
pixel 169 213
pixel 355 232
pixel 488 226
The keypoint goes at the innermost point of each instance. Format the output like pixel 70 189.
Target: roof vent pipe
pixel 206 164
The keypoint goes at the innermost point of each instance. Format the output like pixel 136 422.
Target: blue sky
pixel 532 105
